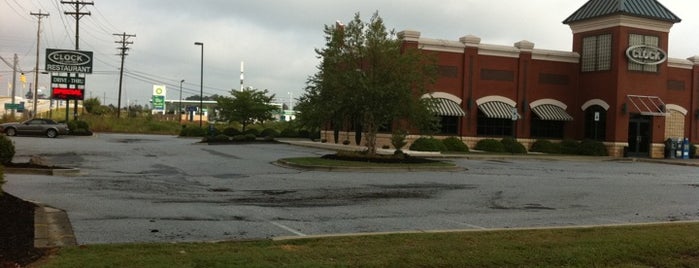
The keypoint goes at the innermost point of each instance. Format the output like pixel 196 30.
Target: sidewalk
pixel 52 228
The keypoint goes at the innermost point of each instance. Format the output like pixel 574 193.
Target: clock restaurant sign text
pixel 68 61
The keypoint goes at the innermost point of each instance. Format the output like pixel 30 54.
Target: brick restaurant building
pixel 617 85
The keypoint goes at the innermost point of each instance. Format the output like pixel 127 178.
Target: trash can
pixel 668 148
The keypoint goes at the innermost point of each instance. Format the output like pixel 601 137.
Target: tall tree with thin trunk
pixel 366 75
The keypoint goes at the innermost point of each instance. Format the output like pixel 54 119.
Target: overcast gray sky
pixel 275 39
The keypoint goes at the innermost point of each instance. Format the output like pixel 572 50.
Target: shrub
pixel 2 179
pixel 289 133
pixel 7 150
pixel 238 138
pixel 314 135
pixel 304 134
pixel 513 146
pixel 252 131
pixel 398 139
pixel 692 151
pixel 231 131
pixel 217 138
pixel 250 137
pixel 569 146
pixel 192 131
pixel 546 146
pixel 490 145
pixel 455 144
pixel 269 132
pixel 593 148
pixel 426 144
pixel 82 124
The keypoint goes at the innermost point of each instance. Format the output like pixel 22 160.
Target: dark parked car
pixel 36 126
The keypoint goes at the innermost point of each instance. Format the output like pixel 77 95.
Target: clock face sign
pixel 647 55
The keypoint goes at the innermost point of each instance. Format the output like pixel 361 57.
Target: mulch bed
pixel 17 232
pixel 406 159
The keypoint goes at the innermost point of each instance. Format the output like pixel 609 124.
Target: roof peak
pixel 650 9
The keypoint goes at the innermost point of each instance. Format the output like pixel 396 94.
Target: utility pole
pixel 36 68
pixel 77 14
pixel 12 65
pixel 122 49
pixel 14 82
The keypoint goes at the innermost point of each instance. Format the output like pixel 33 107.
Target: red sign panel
pixel 68 93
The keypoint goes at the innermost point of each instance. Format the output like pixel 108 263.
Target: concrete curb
pixel 52 228
pixel 43 171
pixel 286 164
pixel 289 238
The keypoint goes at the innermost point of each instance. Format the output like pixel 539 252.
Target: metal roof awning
pixel 498 109
pixel 647 105
pixel 446 107
pixel 551 112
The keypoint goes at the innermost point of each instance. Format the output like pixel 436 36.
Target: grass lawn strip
pixel 665 245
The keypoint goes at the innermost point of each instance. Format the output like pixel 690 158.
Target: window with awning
pixel 647 105
pixel 550 112
pixel 446 107
pixel 498 109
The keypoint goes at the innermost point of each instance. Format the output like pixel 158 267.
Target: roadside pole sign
pixel 68 61
pixel 14 106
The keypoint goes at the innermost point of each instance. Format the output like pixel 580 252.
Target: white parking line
pixel 469 225
pixel 612 220
pixel 287 228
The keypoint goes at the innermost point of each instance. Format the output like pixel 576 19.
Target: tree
pixel 367 78
pixel 91 104
pixel 247 107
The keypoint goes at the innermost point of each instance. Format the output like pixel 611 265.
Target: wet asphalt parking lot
pixel 151 188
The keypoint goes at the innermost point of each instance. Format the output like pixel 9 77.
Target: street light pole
pixel 201 84
pixel 179 108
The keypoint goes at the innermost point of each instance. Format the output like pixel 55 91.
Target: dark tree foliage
pixel 366 76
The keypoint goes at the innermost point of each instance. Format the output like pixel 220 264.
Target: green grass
pixel 322 162
pixel 670 245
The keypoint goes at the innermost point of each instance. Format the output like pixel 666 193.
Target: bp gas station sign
pixel 158 100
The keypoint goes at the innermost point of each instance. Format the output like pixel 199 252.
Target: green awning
pixel 446 107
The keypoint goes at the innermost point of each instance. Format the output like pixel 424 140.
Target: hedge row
pixel 506 145
pixel 585 147
pixel 193 131
pixel 430 144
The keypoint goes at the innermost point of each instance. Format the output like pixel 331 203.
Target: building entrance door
pixel 639 136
